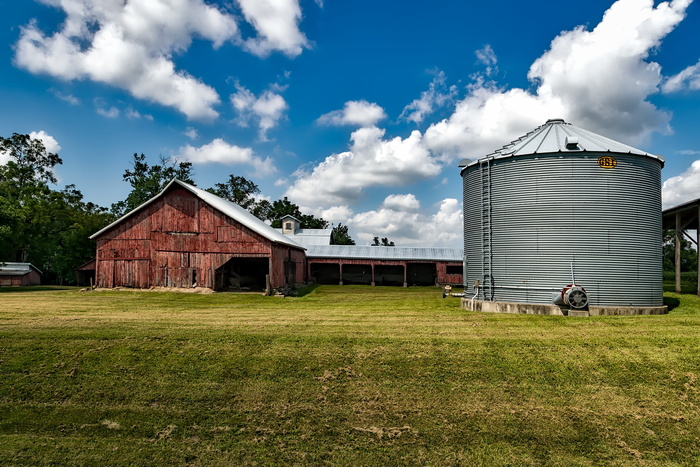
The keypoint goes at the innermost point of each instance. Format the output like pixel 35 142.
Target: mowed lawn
pixel 343 376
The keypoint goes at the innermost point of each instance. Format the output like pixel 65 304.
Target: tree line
pixel 50 228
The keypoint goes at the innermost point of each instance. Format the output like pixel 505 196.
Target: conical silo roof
pixel 557 136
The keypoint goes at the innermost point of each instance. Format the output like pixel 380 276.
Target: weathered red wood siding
pixel 179 239
pixel 31 278
pixel 445 278
pixel 288 265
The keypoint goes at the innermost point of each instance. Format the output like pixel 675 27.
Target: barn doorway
pixel 324 273
pixel 422 274
pixel 357 274
pixel 388 275
pixel 242 274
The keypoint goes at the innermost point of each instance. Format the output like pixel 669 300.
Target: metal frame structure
pixel 681 218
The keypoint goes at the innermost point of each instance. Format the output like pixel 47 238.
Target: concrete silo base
pixel 544 309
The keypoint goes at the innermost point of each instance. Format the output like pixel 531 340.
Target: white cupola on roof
pixel 290 224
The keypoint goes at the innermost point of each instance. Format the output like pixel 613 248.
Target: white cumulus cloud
pixel 129 45
pixel 599 80
pixel 688 79
pixel 267 109
pixel 111 112
pixel 277 23
pixel 191 133
pixel 371 161
pixel 221 152
pixel 487 57
pixel 407 202
pixel 406 226
pixel 357 113
pixel 682 188
pixel 71 99
pixel 49 141
pixel 336 214
pixel 437 95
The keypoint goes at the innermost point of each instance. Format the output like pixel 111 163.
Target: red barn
pixel 187 237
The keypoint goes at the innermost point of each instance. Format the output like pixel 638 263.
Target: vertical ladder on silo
pixel 486 231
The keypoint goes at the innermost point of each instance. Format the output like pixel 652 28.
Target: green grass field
pixel 341 376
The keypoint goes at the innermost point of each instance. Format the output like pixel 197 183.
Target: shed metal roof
pixel 310 236
pixel 689 215
pixel 557 136
pixel 16 269
pixel 384 253
pixel 232 210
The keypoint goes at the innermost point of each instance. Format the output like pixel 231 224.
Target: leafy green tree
pixel 238 190
pixel 262 209
pixel 10 224
pixel 73 246
pixel 341 236
pixel 30 163
pixel 689 255
pixel 48 228
pixel 23 189
pixel 384 242
pixel 284 207
pixel 148 180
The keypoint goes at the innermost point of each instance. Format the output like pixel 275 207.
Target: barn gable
pixel 186 237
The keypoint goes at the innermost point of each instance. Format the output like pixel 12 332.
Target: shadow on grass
pixel 671 303
pixel 37 288
pixel 303 291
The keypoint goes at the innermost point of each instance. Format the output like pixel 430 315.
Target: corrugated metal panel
pixel 384 253
pixel 552 138
pixel 11 269
pixel 554 211
pixel 307 237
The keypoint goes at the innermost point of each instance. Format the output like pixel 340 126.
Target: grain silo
pixel 564 221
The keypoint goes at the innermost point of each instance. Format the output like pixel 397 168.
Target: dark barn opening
pixel 422 274
pixel 324 273
pixel 449 269
pixel 242 274
pixel 358 274
pixel 85 278
pixel 388 275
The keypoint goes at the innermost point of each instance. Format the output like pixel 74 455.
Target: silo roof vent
pixel 571 142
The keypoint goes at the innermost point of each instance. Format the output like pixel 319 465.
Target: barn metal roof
pixel 16 269
pixel 557 136
pixel 232 210
pixel 391 253
pixel 689 216
pixel 310 236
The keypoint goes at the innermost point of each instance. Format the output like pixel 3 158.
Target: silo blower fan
pixel 575 296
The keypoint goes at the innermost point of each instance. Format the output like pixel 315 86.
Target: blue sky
pixel 358 111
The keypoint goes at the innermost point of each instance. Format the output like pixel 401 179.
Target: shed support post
pixel 372 265
pixel 405 275
pixel 340 270
pixel 678 252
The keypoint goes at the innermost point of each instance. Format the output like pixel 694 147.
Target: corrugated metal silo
pixel 563 205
